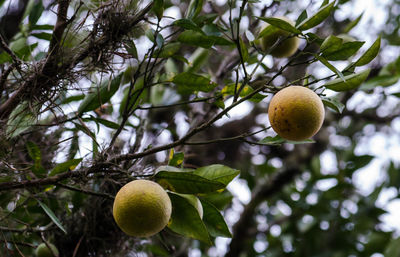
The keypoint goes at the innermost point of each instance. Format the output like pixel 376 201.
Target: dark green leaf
pixel 333 104
pixel 393 249
pixel 331 44
pixel 185 220
pixel 191 37
pixel 345 51
pixel 34 151
pixel 194 8
pixel 301 18
pixel 158 8
pixel 35 13
pixel 168 50
pixel 195 38
pixel 197 59
pixel 186 182
pixel 187 24
pixel 351 81
pixel 219 199
pixel 25 52
pixel 243 50
pixel 352 24
pixel 107 123
pixel 370 54
pixel 42 35
pixel 317 18
pixel 277 140
pixel 100 95
pixel 217 172
pixel 193 82
pixel 279 23
pixel 52 216
pixel 73 98
pixel 21 119
pixel 214 221
pixel 65 166
pixel 43 27
pixel 74 146
pixel 131 49
pixel 220 41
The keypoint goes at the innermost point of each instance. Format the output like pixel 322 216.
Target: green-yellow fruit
pixel 286 48
pixel 142 208
pixel 195 202
pixel 296 113
pixel 43 251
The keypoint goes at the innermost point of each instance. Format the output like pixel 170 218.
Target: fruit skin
pixel 43 251
pixel 142 208
pixel 296 113
pixel 286 48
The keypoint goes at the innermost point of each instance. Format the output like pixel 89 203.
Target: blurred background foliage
pixel 111 75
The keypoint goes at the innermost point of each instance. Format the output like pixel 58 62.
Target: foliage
pixel 119 90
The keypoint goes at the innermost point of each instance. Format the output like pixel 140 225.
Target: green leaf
pixel 268 30
pixel 43 27
pixel 186 182
pixel 42 35
pixel 51 215
pixel 352 24
pixel 370 54
pixel 185 220
pixel 65 166
pixel 277 140
pixel 219 199
pixel 217 172
pixel 214 221
pixel 158 8
pixel 331 44
pixel 74 146
pixel 243 50
pixel 333 104
pixel 302 17
pixel 195 38
pixel 330 66
pixel 21 119
pixel 187 24
pixel 229 90
pixel 35 13
pixel 25 52
pixel 317 18
pixel 168 50
pixel 197 59
pixel 393 249
pixel 175 158
pixel 194 8
pixel 131 49
pixel 34 151
pixel 220 41
pixel 345 51
pixel 279 23
pixel 100 95
pixel 193 82
pixel 107 123
pixel 36 156
pixel 351 81
pixel 134 99
pixel 73 98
